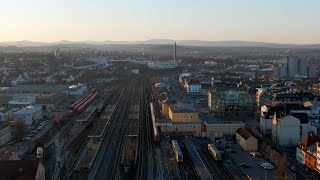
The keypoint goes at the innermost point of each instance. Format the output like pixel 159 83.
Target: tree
pixel 20 128
pixel 282 163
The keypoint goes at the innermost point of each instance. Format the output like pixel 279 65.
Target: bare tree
pixel 20 128
pixel 279 173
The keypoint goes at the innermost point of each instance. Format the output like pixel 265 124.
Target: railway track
pixel 110 150
pixel 217 169
pixel 187 169
pixel 145 163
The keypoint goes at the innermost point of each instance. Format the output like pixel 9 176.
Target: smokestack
pixel 175 51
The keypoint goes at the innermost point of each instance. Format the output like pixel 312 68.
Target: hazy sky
pixel 282 21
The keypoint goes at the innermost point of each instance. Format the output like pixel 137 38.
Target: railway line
pixel 187 169
pixel 145 165
pixel 111 145
pixel 217 170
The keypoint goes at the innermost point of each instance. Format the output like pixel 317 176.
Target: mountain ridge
pixel 201 43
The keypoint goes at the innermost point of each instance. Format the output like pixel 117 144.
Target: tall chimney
pixel 175 51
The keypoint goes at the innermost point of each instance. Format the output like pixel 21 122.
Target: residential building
pixel 316 89
pixel 246 140
pixel 306 153
pixel 28 114
pixel 231 100
pixel 193 87
pixel 293 97
pixel 5 133
pixel 285 130
pixel 219 129
pixel 297 66
pixel 22 169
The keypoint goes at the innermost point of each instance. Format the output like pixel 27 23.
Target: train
pixel 80 105
pixel 177 151
pixel 156 136
pixel 216 154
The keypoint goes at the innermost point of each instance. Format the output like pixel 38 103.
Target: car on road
pixel 245 165
pixel 263 163
pixel 268 166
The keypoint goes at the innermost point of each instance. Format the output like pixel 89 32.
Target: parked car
pixel 245 165
pixel 268 166
pixel 263 163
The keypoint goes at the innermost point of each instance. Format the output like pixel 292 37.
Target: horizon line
pixel 173 40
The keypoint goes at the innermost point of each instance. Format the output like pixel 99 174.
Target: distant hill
pixel 26 43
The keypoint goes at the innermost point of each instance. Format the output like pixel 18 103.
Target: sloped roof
pixel 309 140
pixel 243 133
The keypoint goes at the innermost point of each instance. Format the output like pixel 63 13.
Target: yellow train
pixel 214 152
pixel 177 151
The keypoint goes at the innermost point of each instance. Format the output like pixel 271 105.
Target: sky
pixel 278 21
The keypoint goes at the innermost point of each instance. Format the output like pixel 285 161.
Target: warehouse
pixel 246 140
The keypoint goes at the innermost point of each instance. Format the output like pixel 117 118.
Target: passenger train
pixel 177 151
pixel 214 152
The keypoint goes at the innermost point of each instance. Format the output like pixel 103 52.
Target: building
pixel 49 101
pixel 77 90
pixel 179 119
pixel 231 100
pixel 306 153
pixel 314 107
pixel 285 130
pixel 5 133
pixel 246 140
pixel 318 156
pixel 297 66
pixel 28 115
pixel 193 87
pixel 22 169
pixel 171 64
pixel 168 127
pixel 179 112
pixel 293 97
pixel 219 129
pixel 316 89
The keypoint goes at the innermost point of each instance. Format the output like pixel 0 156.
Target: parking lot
pixel 254 171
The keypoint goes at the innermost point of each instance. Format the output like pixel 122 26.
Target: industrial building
pixel 219 129
pixel 28 114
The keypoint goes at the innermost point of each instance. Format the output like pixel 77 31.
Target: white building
pixel 314 107
pixel 193 87
pixel 162 64
pixel 77 90
pixel 28 114
pixel 285 130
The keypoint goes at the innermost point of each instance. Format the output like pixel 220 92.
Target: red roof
pixel 308 141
